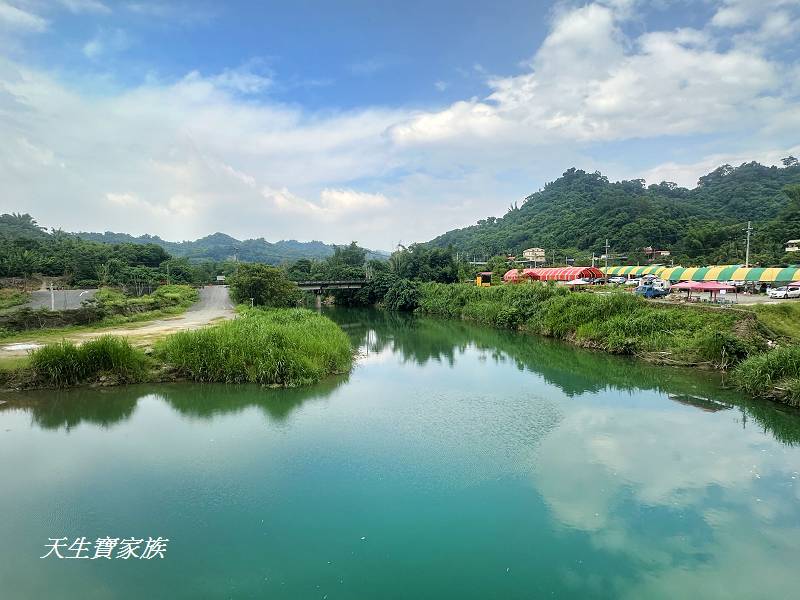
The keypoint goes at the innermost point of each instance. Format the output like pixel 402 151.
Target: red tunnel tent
pixel 563 273
pixel 511 276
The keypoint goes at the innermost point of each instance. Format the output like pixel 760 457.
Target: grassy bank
pixel 10 297
pixel 63 364
pixel 620 323
pixel 774 374
pixel 284 347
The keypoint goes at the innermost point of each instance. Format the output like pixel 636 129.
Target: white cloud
pixel 106 41
pixel 740 13
pixel 587 82
pixel 220 151
pixel 85 6
pixel 18 20
pixel 687 174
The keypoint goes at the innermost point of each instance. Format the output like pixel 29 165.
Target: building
pixel 793 246
pixel 654 253
pixel 534 254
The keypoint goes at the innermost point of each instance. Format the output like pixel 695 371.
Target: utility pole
pixel 52 296
pixel 606 273
pixel 749 230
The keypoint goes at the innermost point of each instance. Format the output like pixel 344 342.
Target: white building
pixel 534 254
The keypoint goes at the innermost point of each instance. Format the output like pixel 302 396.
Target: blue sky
pixel 376 121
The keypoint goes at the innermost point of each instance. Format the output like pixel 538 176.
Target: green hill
pixel 577 212
pixel 220 247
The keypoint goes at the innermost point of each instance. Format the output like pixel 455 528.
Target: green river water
pixel 452 462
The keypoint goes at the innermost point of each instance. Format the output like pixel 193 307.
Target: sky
pixel 376 121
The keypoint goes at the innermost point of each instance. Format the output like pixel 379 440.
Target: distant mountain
pixel 220 246
pixel 576 213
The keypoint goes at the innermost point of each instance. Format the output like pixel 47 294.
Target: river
pixel 453 462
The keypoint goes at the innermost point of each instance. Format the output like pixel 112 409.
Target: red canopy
pixel 511 276
pixel 563 273
pixel 714 286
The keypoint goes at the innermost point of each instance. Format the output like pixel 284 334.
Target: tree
pixel 790 161
pixel 266 285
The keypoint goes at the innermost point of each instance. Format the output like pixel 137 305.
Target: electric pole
pixel 606 273
pixel 749 230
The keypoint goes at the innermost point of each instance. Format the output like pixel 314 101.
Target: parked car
pixel 785 291
pixel 617 279
pixel 649 291
pixel 635 282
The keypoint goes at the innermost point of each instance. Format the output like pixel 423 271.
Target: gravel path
pixel 214 305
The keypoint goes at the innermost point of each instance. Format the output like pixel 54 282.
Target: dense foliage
pixel 576 213
pixel 264 286
pixel 276 347
pixel 27 250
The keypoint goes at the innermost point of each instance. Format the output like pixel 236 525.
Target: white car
pixel 635 282
pixel 617 279
pixel 785 291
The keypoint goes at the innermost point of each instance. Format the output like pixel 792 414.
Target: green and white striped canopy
pixel 713 273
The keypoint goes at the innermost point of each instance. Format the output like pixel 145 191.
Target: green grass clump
pixel 10 297
pixel 774 373
pixel 64 363
pixel 286 347
pixel 616 322
pixel 782 318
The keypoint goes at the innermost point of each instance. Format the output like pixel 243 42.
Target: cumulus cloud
pixel 589 82
pixel 18 20
pixel 218 152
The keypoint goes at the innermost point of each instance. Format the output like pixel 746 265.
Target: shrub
pixel 276 347
pixel 402 295
pixel 760 375
pixel 266 285
pixel 64 363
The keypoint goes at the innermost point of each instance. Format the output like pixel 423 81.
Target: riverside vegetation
pixel 279 347
pixel 620 323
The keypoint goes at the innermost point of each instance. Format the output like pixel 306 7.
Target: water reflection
pixel 56 409
pixel 573 371
pixel 543 470
pixel 419 341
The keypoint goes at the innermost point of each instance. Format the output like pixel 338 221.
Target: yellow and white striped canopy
pixel 714 273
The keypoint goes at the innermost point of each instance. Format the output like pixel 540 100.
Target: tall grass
pixel 10 297
pixel 774 373
pixel 65 363
pixel 284 347
pixel 617 322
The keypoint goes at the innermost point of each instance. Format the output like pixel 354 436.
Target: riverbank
pixel 282 347
pixel 739 340
pixel 619 323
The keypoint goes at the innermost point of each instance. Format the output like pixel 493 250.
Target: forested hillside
pixel 576 213
pixel 220 246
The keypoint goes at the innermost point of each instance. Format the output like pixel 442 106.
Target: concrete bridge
pixel 320 286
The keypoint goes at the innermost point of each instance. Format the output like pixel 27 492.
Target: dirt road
pixel 214 305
